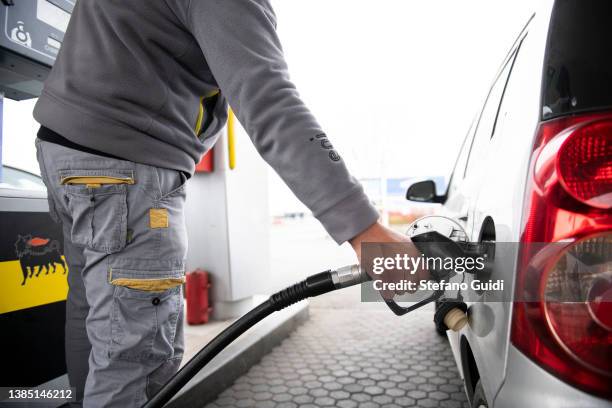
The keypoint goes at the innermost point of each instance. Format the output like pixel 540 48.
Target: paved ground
pixel 351 354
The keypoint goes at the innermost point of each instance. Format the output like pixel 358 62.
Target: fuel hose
pixel 312 286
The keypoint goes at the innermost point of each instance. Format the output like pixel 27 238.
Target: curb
pixel 238 358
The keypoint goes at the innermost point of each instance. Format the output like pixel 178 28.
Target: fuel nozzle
pixel 441 237
pixel 451 313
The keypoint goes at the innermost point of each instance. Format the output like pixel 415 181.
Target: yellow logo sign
pixel 37 278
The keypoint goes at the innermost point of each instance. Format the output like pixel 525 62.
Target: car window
pixel 488 117
pixel 578 62
pixel 459 169
pixel 20 180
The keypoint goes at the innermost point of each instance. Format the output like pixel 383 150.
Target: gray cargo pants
pixel 125 243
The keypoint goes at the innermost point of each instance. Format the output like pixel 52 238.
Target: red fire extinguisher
pixel 196 290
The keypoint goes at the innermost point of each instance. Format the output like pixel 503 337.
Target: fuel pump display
pixel 32 34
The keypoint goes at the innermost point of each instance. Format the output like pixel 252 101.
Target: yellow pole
pixel 231 139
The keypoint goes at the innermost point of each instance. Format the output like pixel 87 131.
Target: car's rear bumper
pixel 528 385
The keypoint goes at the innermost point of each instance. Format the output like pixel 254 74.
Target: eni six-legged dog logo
pixel 38 254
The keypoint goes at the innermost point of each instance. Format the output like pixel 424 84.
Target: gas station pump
pixel 228 222
pixel 32 34
pixel 33 285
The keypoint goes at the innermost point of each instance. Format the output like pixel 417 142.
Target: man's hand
pixel 386 238
pixel 376 233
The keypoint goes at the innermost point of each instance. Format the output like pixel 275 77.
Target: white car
pixel 536 167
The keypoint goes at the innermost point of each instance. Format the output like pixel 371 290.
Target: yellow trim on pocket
pixel 96 181
pixel 149 285
pixel 201 112
pixel 231 139
pixel 200 118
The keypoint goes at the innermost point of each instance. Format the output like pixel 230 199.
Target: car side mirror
pixel 423 192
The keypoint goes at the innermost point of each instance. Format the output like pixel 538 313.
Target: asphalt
pixel 351 354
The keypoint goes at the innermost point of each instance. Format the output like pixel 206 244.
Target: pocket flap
pixel 96 177
pixel 147 275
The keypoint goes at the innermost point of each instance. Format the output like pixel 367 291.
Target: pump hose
pixel 314 285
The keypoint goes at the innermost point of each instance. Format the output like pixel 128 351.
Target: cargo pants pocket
pixel 157 379
pixel 147 302
pixel 97 202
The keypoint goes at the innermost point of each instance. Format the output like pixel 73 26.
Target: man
pixel 138 93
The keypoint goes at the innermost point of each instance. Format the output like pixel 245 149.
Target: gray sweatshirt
pixel 149 81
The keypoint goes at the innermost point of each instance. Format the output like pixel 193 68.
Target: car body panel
pixel 493 190
pixel 528 385
pixel 499 197
pixel 486 196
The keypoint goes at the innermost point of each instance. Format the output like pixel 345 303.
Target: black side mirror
pixel 423 192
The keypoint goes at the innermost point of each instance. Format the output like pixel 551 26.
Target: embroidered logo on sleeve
pixel 158 218
pixel 326 145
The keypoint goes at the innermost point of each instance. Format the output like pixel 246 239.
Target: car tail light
pixel 562 316
pixel 584 163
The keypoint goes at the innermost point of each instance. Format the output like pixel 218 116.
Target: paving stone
pixel 427 387
pixel 346 403
pixel 262 396
pixel 416 394
pixel 244 394
pixel 282 397
pixel 353 388
pixel 298 390
pixel 332 386
pixel 339 395
pixel 324 402
pixel 338 359
pixel 318 392
pixel 439 395
pixel 278 389
pixel 303 399
pixel 361 397
pixel 386 384
pixel 373 390
pixel 266 404
pixel 382 399
pixel 429 403
pixel 405 402
pixel 286 405
pixel 245 403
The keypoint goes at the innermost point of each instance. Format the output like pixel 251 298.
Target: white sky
pixel 394 83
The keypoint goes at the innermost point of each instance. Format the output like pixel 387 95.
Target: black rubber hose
pixel 314 285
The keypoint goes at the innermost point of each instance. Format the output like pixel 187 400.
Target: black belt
pixel 50 136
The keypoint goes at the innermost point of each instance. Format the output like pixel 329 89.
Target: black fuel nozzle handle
pixel 401 310
pixel 447 247
pixel 432 244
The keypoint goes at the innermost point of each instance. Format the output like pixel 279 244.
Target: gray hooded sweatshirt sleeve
pixel 229 45
pixel 240 43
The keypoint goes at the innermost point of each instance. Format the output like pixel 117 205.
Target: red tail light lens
pixel 585 163
pixel 561 319
pixel 577 292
